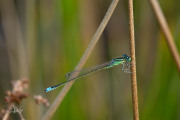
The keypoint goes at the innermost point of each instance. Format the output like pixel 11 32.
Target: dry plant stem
pixel 166 31
pixel 84 58
pixel 133 68
pixel 6 116
pixel 20 114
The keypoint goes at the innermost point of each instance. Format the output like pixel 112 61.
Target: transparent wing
pixel 81 73
pixel 86 71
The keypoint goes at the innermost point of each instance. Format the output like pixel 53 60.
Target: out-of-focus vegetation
pixel 43 40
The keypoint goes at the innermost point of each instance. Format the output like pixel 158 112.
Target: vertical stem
pixel 133 68
pixel 165 29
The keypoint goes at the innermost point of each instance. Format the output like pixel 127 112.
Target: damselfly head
pixel 127 57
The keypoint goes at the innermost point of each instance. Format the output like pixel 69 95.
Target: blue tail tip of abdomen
pixel 48 89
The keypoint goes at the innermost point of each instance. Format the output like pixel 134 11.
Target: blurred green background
pixel 42 40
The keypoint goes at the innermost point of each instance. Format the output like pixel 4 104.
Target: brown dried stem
pixel 133 68
pixel 84 58
pixel 6 116
pixel 15 96
pixel 20 113
pixel 166 31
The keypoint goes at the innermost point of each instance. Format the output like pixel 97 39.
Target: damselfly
pixel 124 60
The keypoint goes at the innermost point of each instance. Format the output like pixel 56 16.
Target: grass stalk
pixel 166 31
pixel 81 63
pixel 133 68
